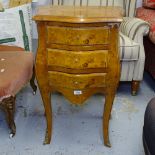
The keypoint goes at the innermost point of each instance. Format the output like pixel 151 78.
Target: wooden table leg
pixel 42 80
pixel 106 116
pixel 46 97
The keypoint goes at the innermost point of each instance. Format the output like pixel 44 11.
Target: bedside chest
pixel 78 56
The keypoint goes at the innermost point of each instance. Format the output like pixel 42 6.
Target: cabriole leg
pixel 8 105
pixel 32 83
pixel 46 98
pixel 106 116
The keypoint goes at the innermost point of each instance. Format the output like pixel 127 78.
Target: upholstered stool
pixel 149 128
pixel 16 70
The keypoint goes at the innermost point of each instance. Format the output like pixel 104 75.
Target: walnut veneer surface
pixel 78 56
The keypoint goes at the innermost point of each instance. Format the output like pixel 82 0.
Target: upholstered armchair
pixel 132 30
pixel 147 13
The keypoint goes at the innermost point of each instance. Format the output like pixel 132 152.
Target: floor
pixel 78 130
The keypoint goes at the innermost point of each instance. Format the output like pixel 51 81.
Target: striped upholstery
pixel 127 71
pixel 134 29
pixel 129 54
pixel 129 50
pixel 128 5
pixel 131 27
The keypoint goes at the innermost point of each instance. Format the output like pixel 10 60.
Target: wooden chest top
pixel 81 14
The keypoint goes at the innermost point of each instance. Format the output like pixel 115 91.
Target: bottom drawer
pixel 75 81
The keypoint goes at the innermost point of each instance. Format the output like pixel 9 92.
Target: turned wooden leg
pixel 134 87
pixel 8 105
pixel 106 116
pixel 32 83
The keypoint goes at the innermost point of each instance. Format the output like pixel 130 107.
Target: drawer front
pixel 77 36
pixel 77 82
pixel 77 60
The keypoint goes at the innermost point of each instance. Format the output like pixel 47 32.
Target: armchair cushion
pixel 149 3
pixel 129 50
pixel 15 71
pixel 134 28
pixel 149 16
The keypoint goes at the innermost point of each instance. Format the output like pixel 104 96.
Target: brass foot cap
pixel 134 93
pixel 34 92
pixel 11 135
pixel 107 144
pixel 46 142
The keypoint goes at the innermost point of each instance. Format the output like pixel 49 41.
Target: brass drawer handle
pixel 85 65
pixel 76 83
pixel 78 37
pixel 86 41
pixel 76 60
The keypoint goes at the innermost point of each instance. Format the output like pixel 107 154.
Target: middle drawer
pixel 77 60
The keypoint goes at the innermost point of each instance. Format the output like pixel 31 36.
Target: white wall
pixel 139 3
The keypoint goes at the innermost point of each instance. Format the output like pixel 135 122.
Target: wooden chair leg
pixel 8 105
pixel 32 83
pixel 134 87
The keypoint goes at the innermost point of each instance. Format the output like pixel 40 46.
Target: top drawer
pixel 77 36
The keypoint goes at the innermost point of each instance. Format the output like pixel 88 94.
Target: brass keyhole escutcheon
pixel 76 60
pixel 86 41
pixel 76 83
pixel 85 65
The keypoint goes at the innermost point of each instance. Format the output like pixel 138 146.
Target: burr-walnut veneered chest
pixel 78 56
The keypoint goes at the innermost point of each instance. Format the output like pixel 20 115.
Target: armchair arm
pixel 134 28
